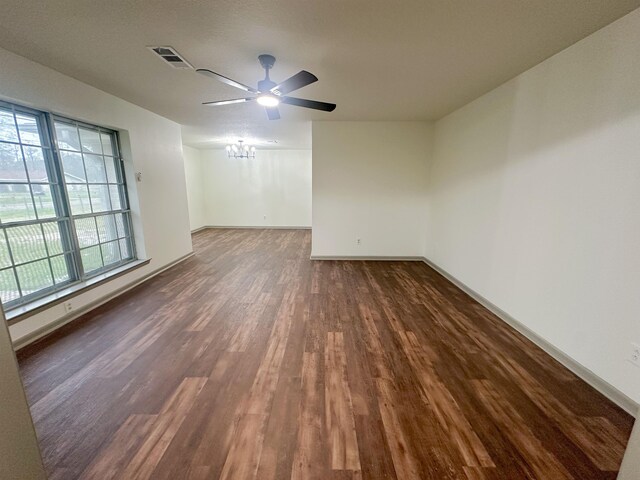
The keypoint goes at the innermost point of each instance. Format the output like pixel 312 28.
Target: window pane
pixel 100 198
pixel 90 140
pixel 73 167
pixel 107 148
pixel 29 131
pixel 5 258
pixel 34 276
pixel 60 270
pixel 91 258
pixel 26 243
pixel 11 165
pixel 15 203
pixel 95 168
pixel 111 169
pixel 7 127
pixel 107 228
pixel 79 199
pixel 116 203
pixel 52 236
pixel 34 159
pixel 67 136
pixel 8 286
pixel 43 200
pixel 86 231
pixel 110 252
pixel 121 225
pixel 124 248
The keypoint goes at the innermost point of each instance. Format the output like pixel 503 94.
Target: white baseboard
pixel 605 388
pixel 199 229
pixel 51 327
pixel 374 258
pixel 260 227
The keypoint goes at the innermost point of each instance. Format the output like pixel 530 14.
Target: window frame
pixel 71 250
pixel 122 190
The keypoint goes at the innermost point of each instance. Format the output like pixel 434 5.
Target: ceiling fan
pixel 270 94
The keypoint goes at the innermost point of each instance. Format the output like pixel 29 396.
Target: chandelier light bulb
pixel 240 150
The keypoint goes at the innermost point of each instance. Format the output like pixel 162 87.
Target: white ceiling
pixel 377 59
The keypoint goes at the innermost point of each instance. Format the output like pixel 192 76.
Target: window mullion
pixel 68 231
pixel 124 195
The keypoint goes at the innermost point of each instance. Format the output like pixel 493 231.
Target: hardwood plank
pixel 163 430
pixel 542 463
pixel 127 440
pixel 340 424
pixel 403 460
pixel 309 461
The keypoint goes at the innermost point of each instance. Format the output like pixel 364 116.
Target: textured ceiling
pixel 377 59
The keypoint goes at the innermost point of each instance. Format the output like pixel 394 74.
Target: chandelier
pixel 240 150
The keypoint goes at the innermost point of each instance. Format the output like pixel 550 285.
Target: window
pixel 64 213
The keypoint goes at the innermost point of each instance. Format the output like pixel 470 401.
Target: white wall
pixel 241 192
pixel 19 453
pixel 535 200
pixel 369 182
pixel 630 468
pixel 151 145
pixel 195 186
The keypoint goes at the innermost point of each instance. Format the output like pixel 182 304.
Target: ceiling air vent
pixel 169 55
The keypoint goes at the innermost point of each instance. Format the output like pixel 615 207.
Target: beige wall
pixel 369 182
pixel 195 185
pixel 271 190
pixel 534 200
pixel 630 469
pixel 19 453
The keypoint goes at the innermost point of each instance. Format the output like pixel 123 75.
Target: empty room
pixel 320 240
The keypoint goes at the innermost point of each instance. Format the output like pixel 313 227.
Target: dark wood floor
pixel 251 361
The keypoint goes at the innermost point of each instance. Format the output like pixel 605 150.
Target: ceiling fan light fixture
pixel 268 101
pixel 270 94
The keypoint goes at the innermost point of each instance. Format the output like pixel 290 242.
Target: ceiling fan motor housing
pixel 266 85
pixel 266 61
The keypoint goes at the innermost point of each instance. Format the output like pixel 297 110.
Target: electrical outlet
pixel 264 217
pixel 634 356
pixel 358 241
pixel 68 306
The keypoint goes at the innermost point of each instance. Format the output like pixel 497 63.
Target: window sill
pixel 21 312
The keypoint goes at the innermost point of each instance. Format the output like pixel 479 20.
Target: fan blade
pixel 273 113
pixel 301 102
pixel 299 80
pixel 229 102
pixel 228 81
